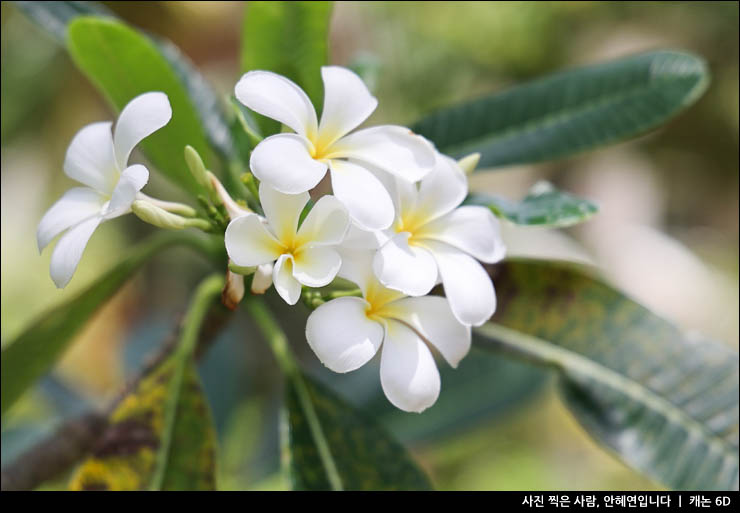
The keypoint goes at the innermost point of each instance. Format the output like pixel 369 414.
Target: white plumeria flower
pixel 98 159
pixel 432 240
pixel 294 163
pixel 302 255
pixel 345 333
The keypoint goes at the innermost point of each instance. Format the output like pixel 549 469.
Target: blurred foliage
pixel 420 59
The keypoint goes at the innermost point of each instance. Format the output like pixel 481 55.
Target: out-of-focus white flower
pixel 98 159
pixel 302 255
pixel 295 163
pixel 346 332
pixel 432 240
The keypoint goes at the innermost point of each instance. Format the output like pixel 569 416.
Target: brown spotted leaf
pixel 126 456
pixel 665 403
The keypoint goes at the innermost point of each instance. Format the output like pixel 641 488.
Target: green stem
pixel 209 289
pixel 278 342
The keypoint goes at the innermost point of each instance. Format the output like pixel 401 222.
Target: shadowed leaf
pixel 666 404
pixel 364 455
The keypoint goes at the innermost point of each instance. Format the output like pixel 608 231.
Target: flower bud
pixel 196 166
pixel 469 162
pixel 152 214
pixel 262 279
pixel 233 291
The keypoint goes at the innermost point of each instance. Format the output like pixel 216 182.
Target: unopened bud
pixel 262 279
pixel 233 291
pixel 196 166
pixel 152 214
pixel 468 164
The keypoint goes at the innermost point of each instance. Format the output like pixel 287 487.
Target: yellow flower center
pixel 380 301
pixel 411 222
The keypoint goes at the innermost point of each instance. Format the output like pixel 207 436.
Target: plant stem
pixel 278 342
pixel 207 291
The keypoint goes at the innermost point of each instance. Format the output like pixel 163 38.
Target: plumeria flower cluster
pixel 393 225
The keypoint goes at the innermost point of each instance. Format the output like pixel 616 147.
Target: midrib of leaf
pixel 317 431
pixel 566 360
pixel 560 114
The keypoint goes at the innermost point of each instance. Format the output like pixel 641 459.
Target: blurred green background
pixel 667 233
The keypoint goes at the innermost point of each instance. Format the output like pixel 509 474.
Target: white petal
pixel 326 223
pixel 140 118
pixel 472 229
pixel 284 162
pixel 90 158
pixel 367 201
pixel 443 189
pixel 467 286
pixel 68 251
pixel 72 208
pixel 316 267
pixel 347 103
pixel 285 283
pixel 432 318
pixel 394 149
pixel 357 267
pixel 133 179
pixel 282 210
pixel 408 374
pixel 404 267
pixel 249 242
pixel 262 278
pixel 340 334
pixel 359 239
pixel 278 98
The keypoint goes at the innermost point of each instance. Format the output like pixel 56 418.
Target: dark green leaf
pixel 124 64
pixel 543 206
pixel 35 351
pixel 572 111
pixel 289 38
pixel 460 406
pixel 666 404
pixel 362 455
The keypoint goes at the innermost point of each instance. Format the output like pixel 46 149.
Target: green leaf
pixel 123 64
pixel 543 206
pixel 34 352
pixel 572 111
pixel 55 16
pixel 289 38
pixel 330 445
pixel 664 403
pixel 161 435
